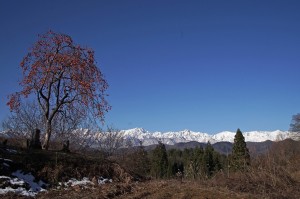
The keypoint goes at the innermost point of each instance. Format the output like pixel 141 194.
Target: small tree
pixel 21 124
pixel 208 160
pixel 295 126
pixel 110 141
pixel 141 163
pixel 196 159
pixel 64 78
pixel 160 161
pixel 240 152
pixel 134 159
pixel 175 162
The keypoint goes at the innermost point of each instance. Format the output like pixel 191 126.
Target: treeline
pixel 192 163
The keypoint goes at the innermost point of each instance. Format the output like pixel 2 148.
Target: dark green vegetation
pixel 198 163
pixel 159 167
pixel 240 152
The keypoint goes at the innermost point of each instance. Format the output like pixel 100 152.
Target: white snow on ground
pixel 25 184
pixel 18 185
pixel 102 180
pixel 73 182
pixel 84 182
pixel 28 178
pixel 5 164
pixel 19 191
pixel 4 177
pixel 6 160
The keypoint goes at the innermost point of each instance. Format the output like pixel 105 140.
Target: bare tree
pixel 295 126
pixel 28 117
pixel 20 124
pixel 64 125
pixel 110 141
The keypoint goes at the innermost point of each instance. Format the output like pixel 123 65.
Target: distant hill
pixel 255 148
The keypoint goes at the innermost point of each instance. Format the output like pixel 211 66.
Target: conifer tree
pixel 240 152
pixel 192 162
pixel 208 160
pixel 160 161
pixel 175 162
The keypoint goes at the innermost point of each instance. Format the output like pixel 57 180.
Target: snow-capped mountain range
pixel 140 135
pixel 171 138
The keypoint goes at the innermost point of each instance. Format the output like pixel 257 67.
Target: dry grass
pixel 260 184
pixel 169 189
pixel 173 189
pixel 273 175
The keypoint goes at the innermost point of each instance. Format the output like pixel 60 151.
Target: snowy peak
pixel 171 138
pixel 225 136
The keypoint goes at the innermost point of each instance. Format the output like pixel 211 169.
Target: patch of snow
pixel 5 164
pixel 102 180
pixel 84 182
pixel 6 160
pixel 4 177
pixel 73 182
pixel 19 191
pixel 11 151
pixel 16 181
pixel 20 183
pixel 28 178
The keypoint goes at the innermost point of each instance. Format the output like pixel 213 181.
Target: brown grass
pixel 167 189
pixel 273 175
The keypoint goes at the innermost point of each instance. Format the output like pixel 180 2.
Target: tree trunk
pixel 47 135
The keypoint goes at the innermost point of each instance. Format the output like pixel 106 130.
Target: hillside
pixel 56 174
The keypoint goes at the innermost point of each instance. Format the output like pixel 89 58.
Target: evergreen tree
pixel 240 152
pixel 160 161
pixel 208 160
pixel 175 162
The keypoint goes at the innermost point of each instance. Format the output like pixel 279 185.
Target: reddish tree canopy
pixel 64 77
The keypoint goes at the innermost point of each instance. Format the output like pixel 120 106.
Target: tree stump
pixel 4 143
pixel 35 142
pixel 66 146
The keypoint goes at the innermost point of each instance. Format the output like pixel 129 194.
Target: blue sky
pixel 206 66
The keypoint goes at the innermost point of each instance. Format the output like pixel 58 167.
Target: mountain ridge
pixel 147 138
pixel 173 137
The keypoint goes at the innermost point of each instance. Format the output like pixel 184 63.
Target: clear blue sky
pixel 206 65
